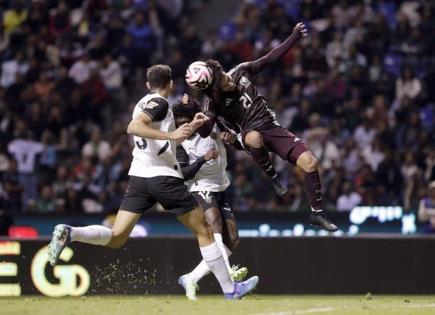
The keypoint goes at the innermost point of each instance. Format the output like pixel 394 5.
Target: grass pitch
pixel 252 305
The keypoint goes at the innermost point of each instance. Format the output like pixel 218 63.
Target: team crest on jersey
pixel 244 81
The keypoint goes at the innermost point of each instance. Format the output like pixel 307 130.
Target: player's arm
pixel 153 111
pixel 254 67
pixel 189 170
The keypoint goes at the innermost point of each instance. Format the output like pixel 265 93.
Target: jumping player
pixel 155 176
pixel 236 99
pixel 203 162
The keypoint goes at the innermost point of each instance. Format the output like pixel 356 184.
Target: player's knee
pixel 118 240
pixel 215 223
pixel 253 139
pixel 308 162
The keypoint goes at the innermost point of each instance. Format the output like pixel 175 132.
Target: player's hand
pixel 185 99
pixel 211 154
pixel 199 120
pixel 227 137
pixel 301 28
pixel 181 133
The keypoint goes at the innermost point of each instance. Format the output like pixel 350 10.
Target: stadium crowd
pixel 358 90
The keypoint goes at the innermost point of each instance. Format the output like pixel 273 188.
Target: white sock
pixel 213 257
pixel 203 269
pixel 91 234
pixel 223 248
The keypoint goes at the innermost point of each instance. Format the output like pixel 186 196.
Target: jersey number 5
pixel 245 100
pixel 141 145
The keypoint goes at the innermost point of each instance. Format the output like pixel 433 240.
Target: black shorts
pixel 209 199
pixel 142 193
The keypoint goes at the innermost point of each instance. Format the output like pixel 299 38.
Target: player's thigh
pixel 136 201
pixel 209 203
pixel 283 143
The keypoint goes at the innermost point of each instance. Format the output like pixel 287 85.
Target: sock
pixel 223 249
pixel 91 234
pixel 313 187
pixel 203 269
pixel 213 257
pixel 261 156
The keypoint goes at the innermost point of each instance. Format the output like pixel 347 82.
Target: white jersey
pixel 153 158
pixel 212 175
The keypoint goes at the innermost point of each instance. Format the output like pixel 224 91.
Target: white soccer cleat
pixel 61 238
pixel 189 286
pixel 238 274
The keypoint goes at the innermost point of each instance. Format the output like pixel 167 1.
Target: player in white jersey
pixel 155 176
pixel 203 162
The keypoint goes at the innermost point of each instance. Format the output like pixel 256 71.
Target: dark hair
pixel 185 112
pixel 215 91
pixel 159 76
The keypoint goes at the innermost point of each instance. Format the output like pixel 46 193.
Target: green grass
pixel 258 305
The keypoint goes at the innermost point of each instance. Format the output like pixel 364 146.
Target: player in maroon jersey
pixel 233 97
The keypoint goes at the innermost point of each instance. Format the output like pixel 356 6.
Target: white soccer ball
pixel 199 76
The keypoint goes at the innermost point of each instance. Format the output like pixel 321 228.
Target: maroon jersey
pixel 245 108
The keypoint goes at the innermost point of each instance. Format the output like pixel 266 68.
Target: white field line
pixel 305 311
pixel 330 309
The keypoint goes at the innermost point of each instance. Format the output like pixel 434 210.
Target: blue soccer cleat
pixel 61 238
pixel 242 288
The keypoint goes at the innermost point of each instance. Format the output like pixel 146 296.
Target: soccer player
pixel 203 162
pixel 155 176
pixel 235 98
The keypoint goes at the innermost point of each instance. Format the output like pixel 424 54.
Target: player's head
pixel 184 113
pixel 221 80
pixel 159 77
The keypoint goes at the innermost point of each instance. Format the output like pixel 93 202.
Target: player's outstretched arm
pixel 299 31
pixel 140 127
pixel 189 170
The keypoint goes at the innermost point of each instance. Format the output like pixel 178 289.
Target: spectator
pixel 25 152
pixel 46 202
pixel 111 74
pixel 11 68
pixel 81 69
pixel 349 199
pixel 407 86
pixel 96 147
pixel 12 188
pixel 426 209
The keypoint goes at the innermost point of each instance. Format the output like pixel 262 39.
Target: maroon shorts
pixel 283 143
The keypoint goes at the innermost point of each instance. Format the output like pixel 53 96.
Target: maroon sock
pixel 313 187
pixel 261 156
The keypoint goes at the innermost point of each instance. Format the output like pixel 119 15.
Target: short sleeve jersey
pixel 152 158
pixel 245 107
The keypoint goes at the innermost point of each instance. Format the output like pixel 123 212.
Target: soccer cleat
pixel 189 286
pixel 278 185
pixel 319 219
pixel 238 274
pixel 242 288
pixel 61 238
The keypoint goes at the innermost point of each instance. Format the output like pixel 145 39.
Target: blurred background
pixel 358 89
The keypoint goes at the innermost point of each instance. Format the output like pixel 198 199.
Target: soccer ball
pixel 199 76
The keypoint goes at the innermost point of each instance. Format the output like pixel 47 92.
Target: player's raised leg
pixel 93 234
pixel 254 142
pixel 313 187
pixel 212 255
